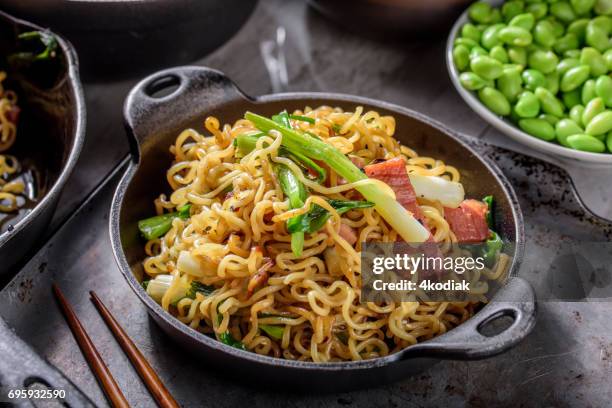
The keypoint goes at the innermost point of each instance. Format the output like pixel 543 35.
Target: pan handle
pixel 466 342
pixel 168 98
pixel 21 367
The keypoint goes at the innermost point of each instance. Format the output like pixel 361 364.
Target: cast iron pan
pixel 49 136
pixel 191 93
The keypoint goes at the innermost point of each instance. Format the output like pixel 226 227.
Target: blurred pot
pixel 131 37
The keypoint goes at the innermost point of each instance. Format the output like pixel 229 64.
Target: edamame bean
pixel 515 36
pixel 548 102
pixel 565 128
pixel 527 106
pixel 525 21
pixel 558 28
pixel 603 22
pixel 607 56
pixel 533 79
pixel 517 55
pixel 563 11
pixel 603 7
pixel 600 124
pixel 461 57
pixel 575 77
pixel 596 37
pixel 509 84
pixel 472 81
pixel 494 100
pixel 543 33
pixel 477 50
pixel 603 89
pixel 582 7
pixel 480 12
pixel 566 64
pixel 576 113
pixel 486 67
pixel 552 82
pixel 468 42
pixel 593 58
pixel 578 28
pixel 499 53
pixel 586 143
pixel 490 36
pixel 588 91
pixel 571 98
pixel 538 10
pixel 549 118
pixel 609 141
pixel 543 61
pixel 469 30
pixel 592 109
pixel 568 42
pixel 512 8
pixel 572 54
pixel 538 127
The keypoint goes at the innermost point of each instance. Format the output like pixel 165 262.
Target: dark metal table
pixel 567 361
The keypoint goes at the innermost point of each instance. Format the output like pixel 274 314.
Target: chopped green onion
pixel 145 283
pixel 392 211
pixel 155 227
pixel 303 119
pixel 276 332
pixel 492 247
pixel 47 40
pixel 199 287
pixel 296 192
pixel 318 216
pixel 282 119
pixel 226 337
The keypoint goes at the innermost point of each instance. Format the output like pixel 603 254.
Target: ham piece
pixel 468 221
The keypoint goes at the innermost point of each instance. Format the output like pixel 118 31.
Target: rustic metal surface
pixel 566 361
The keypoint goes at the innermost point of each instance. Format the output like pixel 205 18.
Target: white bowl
pixel 505 126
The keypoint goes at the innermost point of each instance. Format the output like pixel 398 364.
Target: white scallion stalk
pixel 189 264
pixel 448 193
pixel 157 287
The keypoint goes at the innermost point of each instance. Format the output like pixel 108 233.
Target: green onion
pixel 318 216
pixel 226 337
pixel 199 287
pixel 155 227
pixel 492 247
pixel 145 283
pixel 48 41
pixel 392 211
pixel 303 119
pixel 276 332
pixel 296 192
pixel 282 119
pixel 490 202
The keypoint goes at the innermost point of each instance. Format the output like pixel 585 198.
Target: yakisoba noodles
pixel 9 190
pixel 226 264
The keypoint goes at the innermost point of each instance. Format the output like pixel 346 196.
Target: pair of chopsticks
pixel 112 391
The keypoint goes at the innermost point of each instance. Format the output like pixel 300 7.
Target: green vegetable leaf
pixel 303 119
pixel 45 49
pixel 227 338
pixel 276 332
pixel 316 218
pixel 155 227
pixel 296 192
pixel 199 287
pixel 145 283
pixel 490 202
pixel 492 247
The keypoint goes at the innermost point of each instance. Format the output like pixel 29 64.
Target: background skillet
pixel 154 122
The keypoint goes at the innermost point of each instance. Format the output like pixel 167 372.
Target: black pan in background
pixel 133 37
pixel 50 134
pixel 154 121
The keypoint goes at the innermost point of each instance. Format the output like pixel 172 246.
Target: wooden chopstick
pixel 99 368
pixel 147 373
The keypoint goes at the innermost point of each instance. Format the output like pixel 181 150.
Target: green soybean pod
pixel 563 11
pixel 486 67
pixel 575 77
pixel 548 102
pixel 480 12
pixel 477 50
pixel 566 64
pixel 538 10
pixel 568 42
pixel 494 100
pixel 515 36
pixel 609 142
pixel 596 37
pixel 603 22
pixel 499 53
pixel 582 7
pixel 543 33
pixel 468 42
pixel 543 61
pixel 607 56
pixel 549 118
pixel 593 58
pixel 525 21
pixel 472 81
pixel 539 128
pixel 603 89
pixel 578 28
pixel 588 91
pixel 517 55
pixel 603 7
pixel 512 8
pixel 470 31
pixel 600 124
pixel 566 127
pixel 571 98
pixel 576 113
pixel 533 79
pixel 592 109
pixel 527 105
pixel 461 57
pixel 509 84
pixel 490 36
pixel 586 143
pixel 552 82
